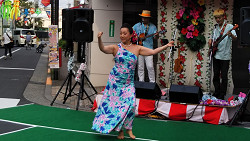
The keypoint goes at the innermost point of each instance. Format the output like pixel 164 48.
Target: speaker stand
pixel 68 78
pixel 82 46
pixel 68 87
pixel 81 91
pixel 240 111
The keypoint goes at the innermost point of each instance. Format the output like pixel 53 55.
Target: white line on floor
pixel 4 68
pixel 12 52
pixel 8 102
pixel 18 105
pixel 70 130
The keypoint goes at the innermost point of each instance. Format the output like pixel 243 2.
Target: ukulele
pixel 219 39
pixel 142 36
pixel 178 68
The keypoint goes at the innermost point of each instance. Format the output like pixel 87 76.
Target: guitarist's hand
pixel 156 36
pixel 229 33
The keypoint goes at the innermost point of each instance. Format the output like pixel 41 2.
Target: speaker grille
pixel 147 90
pixel 67 18
pixel 185 94
pixel 245 26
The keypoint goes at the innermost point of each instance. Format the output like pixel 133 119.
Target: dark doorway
pixel 240 55
pixel 131 11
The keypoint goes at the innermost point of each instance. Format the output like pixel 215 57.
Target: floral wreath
pixel 191 24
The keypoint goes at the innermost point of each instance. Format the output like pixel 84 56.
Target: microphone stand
pixel 171 54
pixel 210 65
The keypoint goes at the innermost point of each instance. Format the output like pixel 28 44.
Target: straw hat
pixel 145 13
pixel 219 12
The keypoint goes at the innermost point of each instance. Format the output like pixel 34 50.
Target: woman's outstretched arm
pixel 146 51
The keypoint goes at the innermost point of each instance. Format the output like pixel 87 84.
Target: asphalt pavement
pixel 15 73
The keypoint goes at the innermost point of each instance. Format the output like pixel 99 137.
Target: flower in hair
pixel 134 38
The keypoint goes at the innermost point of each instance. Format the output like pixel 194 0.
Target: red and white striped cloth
pixel 174 111
pixel 208 114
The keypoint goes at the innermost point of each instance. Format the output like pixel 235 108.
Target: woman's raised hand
pixel 99 34
pixel 170 44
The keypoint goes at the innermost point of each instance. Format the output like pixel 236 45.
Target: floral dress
pixel 117 108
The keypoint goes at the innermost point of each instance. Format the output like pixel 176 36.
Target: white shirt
pixel 224 47
pixel 6 38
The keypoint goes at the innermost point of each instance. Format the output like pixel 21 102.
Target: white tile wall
pixel 100 63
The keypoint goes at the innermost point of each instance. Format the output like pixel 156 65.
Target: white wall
pixel 101 64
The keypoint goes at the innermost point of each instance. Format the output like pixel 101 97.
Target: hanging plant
pixel 191 24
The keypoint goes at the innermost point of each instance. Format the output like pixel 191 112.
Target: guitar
pixel 219 39
pixel 142 36
pixel 178 68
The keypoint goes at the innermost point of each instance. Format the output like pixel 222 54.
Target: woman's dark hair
pixel 126 25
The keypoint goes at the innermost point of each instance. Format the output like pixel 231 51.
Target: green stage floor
pixel 56 124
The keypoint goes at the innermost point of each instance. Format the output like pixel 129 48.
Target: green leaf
pixel 184 16
pixel 182 39
pixel 201 20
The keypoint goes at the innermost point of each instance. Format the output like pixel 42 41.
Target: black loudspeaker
pixel 245 26
pixel 147 90
pixel 185 94
pixel 67 19
pixel 82 26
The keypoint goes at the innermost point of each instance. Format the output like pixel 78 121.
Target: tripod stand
pixel 81 90
pixel 241 110
pixel 69 88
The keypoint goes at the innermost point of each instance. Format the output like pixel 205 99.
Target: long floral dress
pixel 117 108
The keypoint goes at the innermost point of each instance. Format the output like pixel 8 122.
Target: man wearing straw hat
pixel 143 29
pixel 221 58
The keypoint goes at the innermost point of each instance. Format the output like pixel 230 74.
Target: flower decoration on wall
pixel 198 71
pixel 191 25
pixel 134 38
pixel 163 15
pixel 162 56
pixel 183 56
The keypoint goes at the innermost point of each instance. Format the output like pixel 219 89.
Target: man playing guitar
pixel 146 28
pixel 222 54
